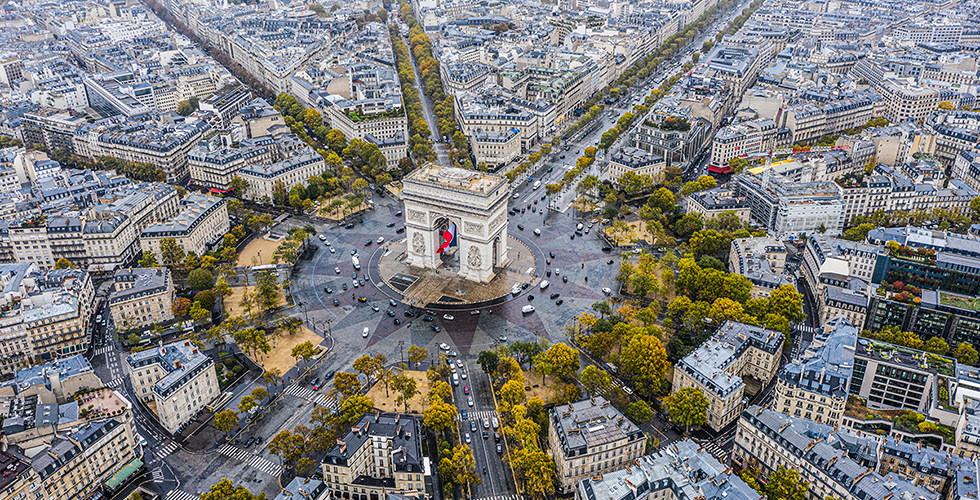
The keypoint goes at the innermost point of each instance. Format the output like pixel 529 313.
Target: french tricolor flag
pixel 449 237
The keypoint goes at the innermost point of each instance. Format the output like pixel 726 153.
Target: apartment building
pixel 815 386
pixel 163 145
pixel 953 265
pixel 590 438
pixel 495 149
pixel 55 382
pixel 201 223
pixel 381 454
pixel 744 138
pixel 842 296
pixel 258 118
pixel 907 101
pixel 636 161
pixel 767 439
pixel 682 470
pixel 949 316
pixel 842 259
pixel 762 260
pixel 141 297
pixel 16 484
pixel 966 167
pixel 51 127
pixel 81 464
pixel 29 423
pixel 226 105
pixel 893 377
pixel 792 208
pixel 212 165
pixel 716 201
pixel 677 137
pixel 716 368
pixel 180 379
pixel 295 169
pixel 492 111
pixel 921 465
pixel 734 63
pixel 954 131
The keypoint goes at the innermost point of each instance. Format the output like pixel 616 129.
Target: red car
pixel 466 389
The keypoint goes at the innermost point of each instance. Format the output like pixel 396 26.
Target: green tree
pixel 488 361
pixel 171 252
pixel 937 345
pixel 200 279
pixel 644 360
pixel 206 298
pixel 786 484
pixel 226 490
pixel 199 314
pixel 595 380
pixel 965 353
pixel 64 263
pixel 439 416
pixel 859 232
pixel 267 290
pixel 305 351
pixel 405 387
pixel 149 259
pixel 687 406
pixel 440 392
pixel 639 412
pixel 289 446
pixel 226 420
pixel 247 404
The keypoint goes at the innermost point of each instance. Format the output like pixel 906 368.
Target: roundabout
pixel 395 296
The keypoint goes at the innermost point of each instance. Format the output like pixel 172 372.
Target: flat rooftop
pixel 457 178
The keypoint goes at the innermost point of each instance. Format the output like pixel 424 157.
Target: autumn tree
pixel 171 252
pixel 439 416
pixel 595 380
pixel 416 355
pixel 786 484
pixel 965 353
pixel 464 466
pixel 226 490
pixel 305 351
pixel 181 306
pixel 687 406
pixel 405 387
pixel 226 420
pixel 644 359
pixel 562 360
pixel 200 279
pixel 346 384
pixel 288 446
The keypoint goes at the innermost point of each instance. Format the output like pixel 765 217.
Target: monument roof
pixel 458 178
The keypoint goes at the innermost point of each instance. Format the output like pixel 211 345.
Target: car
pixel 517 195
pixel 562 157
pixel 344 286
pixel 427 318
pixel 355 284
pixel 472 426
pixel 349 226
pixel 537 232
pixel 522 210
pixel 474 312
pixel 530 297
pixel 142 442
pixel 463 374
pixel 366 277
pixel 398 213
pixel 444 346
pixel 361 282
pixel 368 243
pixel 607 249
pixel 448 317
pixel 381 239
pixel 315 383
pixel 332 250
pixel 249 442
pixel 607 291
pixel 392 303
pixel 559 302
pixel 466 389
pixel 496 437
pixel 486 423
pixel 557 271
pixel 548 272
pixel 573 237
pixel 353 252
pixel 469 402
pixel 328 289
pixel 398 321
pixel 336 270
pixel 464 414
pixel 500 449
pixel 362 299
pixel 535 201
pixel 468 436
pixel 329 375
pixel 436 328
pixel 554 296
pixel 409 314
pixel 390 313
pixel 551 254
pixel 98 318
pixel 459 363
pixel 533 209
pixel 375 308
pixel 610 262
pixel 353 276
pixel 524 286
pixel 391 224
pixel 564 279
pixel 550 169
pixel 502 338
pixel 336 302
pixel 400 230
pixel 322 237
pixel 486 434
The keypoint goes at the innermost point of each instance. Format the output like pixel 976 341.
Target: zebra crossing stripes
pixel 477 415
pixel 115 383
pixel 164 450
pixel 503 497
pixel 255 461
pixel 312 396
pixel 157 475
pixel 179 495
pixel 715 450
pixel 103 350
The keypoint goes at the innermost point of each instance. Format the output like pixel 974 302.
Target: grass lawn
pixel 960 301
pixel 281 355
pixel 415 405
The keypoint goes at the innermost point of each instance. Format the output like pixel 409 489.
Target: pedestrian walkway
pixel 103 350
pixel 255 461
pixel 716 451
pixel 312 396
pixel 503 497
pixel 478 415
pixel 158 475
pixel 115 383
pixel 165 449
pixel 180 495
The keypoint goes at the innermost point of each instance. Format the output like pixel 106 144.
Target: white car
pixel 444 346
pixel 537 232
pixel 327 243
pixel 336 270
pixel 381 240
pixel 332 250
pixel 469 402
pixel 366 332
pixel 468 435
pixel 447 317
pixel 607 291
pixel 463 374
pixel 517 195
pixel 322 238
pixel 459 363
pixel 557 271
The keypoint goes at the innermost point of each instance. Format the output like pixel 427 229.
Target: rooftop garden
pixel 900 292
pixel 358 116
pixel 959 301
pixel 670 123
pixel 908 421
pixel 904 252
pixel 851 180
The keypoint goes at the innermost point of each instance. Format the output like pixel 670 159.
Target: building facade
pixel 179 378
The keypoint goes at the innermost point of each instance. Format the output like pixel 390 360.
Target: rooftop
pixel 456 178
pixel 181 359
pixel 591 423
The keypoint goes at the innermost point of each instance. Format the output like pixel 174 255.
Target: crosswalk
pixel 104 349
pixel 115 383
pixel 312 396
pixel 804 328
pixel 158 475
pixel 503 497
pixel 164 450
pixel 255 461
pixel 477 415
pixel 716 451
pixel 180 495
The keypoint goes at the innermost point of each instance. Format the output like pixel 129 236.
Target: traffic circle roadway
pixel 579 259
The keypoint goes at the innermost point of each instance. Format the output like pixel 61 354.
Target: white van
pixel 366 332
pixel 544 284
pixel 455 379
pixel 536 185
pixel 527 309
pixel 578 227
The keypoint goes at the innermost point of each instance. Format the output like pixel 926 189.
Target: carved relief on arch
pixel 418 243
pixel 474 259
pixel 417 215
pixel 497 221
pixel 473 228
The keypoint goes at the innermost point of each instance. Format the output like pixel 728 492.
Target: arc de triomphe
pixel 436 197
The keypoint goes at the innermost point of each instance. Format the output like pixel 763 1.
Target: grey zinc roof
pixel 180 359
pixel 590 423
